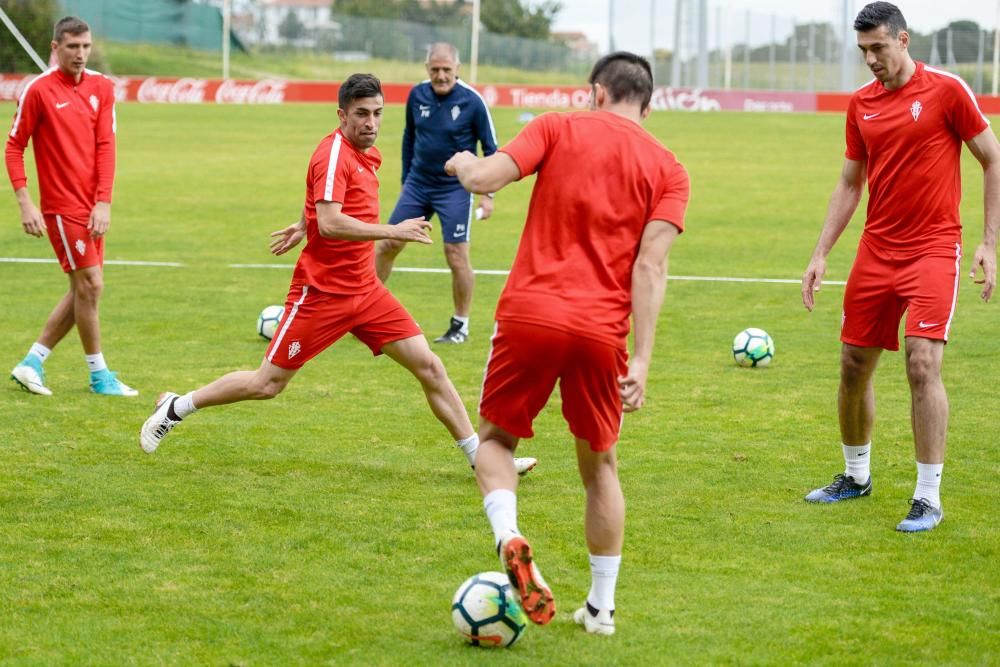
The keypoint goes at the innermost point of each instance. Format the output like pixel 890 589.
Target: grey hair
pixel 442 48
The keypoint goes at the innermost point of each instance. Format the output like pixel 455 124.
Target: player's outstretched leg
pixel 843 487
pixel 518 561
pixel 160 423
pixel 922 516
pixel 30 376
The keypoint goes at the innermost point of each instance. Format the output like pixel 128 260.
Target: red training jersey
pixel 911 139
pixel 601 179
pixel 72 128
pixel 339 172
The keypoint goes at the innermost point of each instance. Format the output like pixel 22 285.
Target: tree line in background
pixel 501 17
pixel 34 18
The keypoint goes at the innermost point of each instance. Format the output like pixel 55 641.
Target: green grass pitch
pixel 333 524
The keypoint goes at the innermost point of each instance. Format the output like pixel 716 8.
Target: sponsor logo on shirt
pixel 869 116
pixel 455 112
pixel 93 103
pixel 60 105
pixel 915 109
pixel 81 247
pixel 425 111
pixel 294 348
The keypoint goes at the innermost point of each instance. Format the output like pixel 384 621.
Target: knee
pixel 89 288
pixel 457 256
pixel 921 367
pixel 601 468
pixel 430 371
pixel 387 248
pixel 267 389
pixel 855 368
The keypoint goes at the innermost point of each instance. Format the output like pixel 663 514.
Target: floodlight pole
pixel 227 12
pixel 652 38
pixel 611 26
pixel 27 47
pixel 474 48
pixel 846 53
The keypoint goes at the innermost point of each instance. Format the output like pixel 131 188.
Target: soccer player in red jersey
pixel 68 113
pixel 608 202
pixel 334 289
pixel 904 131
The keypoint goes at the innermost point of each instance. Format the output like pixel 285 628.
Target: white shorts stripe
pixel 486 368
pixel 65 242
pixel 954 296
pixel 288 322
pixel 472 216
pixel 331 169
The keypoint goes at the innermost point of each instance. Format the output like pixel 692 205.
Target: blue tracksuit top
pixel 438 127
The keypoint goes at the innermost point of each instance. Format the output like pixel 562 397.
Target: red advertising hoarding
pixel 168 90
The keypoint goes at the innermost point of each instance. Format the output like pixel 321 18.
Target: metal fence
pixel 717 47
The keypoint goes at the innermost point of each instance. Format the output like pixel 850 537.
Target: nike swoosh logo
pixel 869 116
pixel 926 325
pixel 60 105
pixel 862 453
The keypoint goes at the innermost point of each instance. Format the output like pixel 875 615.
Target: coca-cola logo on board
pixel 265 91
pixel 181 91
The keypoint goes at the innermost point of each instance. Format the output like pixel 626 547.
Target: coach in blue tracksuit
pixel 443 116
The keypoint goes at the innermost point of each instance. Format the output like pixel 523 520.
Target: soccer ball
pixel 486 612
pixel 753 347
pixel 267 321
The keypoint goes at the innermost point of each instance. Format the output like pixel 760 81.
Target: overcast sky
pixel 632 26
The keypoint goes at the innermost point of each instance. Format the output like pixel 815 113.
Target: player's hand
pixel 412 230
pixel 32 220
pixel 486 204
pixel 100 220
pixel 812 280
pixel 457 161
pixel 987 259
pixel 285 239
pixel 632 387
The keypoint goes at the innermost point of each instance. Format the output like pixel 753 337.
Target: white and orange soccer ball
pixel 268 320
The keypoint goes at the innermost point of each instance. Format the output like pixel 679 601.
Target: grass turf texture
pixel 333 524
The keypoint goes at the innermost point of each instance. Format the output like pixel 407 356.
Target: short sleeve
pixel 856 149
pixel 331 173
pixel 528 148
pixel 966 117
pixel 674 198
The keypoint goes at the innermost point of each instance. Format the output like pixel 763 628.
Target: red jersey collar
pixel 68 79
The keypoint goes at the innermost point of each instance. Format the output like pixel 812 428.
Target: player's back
pixel 601 178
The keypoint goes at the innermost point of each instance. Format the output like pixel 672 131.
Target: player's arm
pixel 648 286
pixel 17 141
pixel 843 203
pixel 986 149
pixel 483 175
pixel 335 224
pixel 100 216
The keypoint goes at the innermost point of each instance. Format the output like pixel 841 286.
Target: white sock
pixel 469 446
pixel 184 405
pixel 95 362
pixel 858 462
pixel 40 351
pixel 929 483
pixel 501 510
pixel 464 321
pixel 604 576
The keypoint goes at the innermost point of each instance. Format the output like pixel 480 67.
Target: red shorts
pixel 880 289
pixel 524 364
pixel 315 320
pixel 71 240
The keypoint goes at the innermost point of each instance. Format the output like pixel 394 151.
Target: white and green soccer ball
pixel 753 347
pixel 268 320
pixel 486 612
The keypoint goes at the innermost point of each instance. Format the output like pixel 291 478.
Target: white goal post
pixel 21 40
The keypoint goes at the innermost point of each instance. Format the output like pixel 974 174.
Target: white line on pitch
pixel 116 262
pixel 493 272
